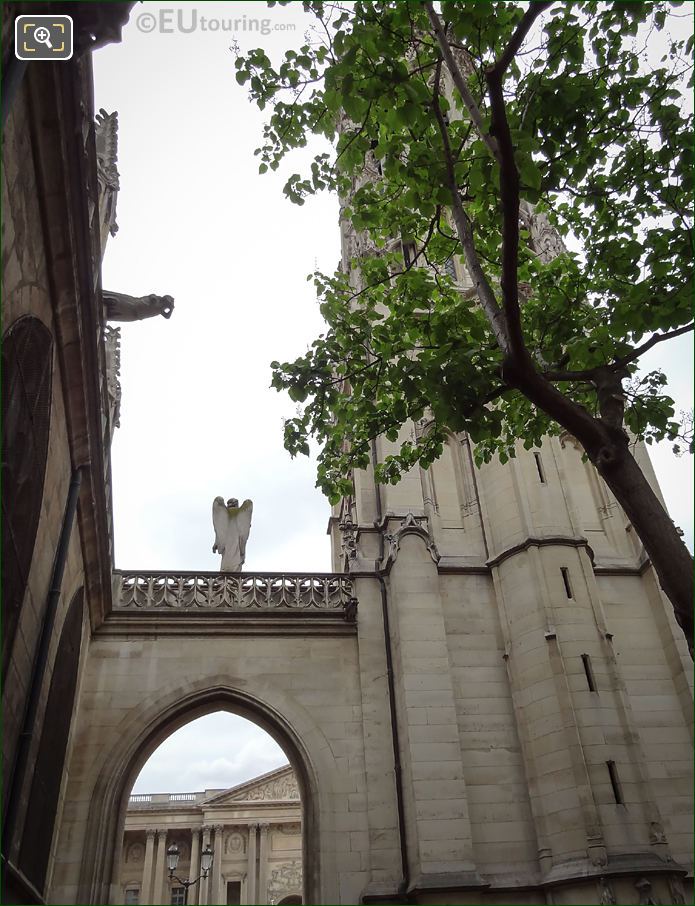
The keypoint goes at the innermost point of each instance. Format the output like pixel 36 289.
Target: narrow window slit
pixel 539 466
pixel 615 783
pixel 566 579
pixel 409 253
pixel 586 661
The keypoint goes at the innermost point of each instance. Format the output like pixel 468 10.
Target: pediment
pixel 279 785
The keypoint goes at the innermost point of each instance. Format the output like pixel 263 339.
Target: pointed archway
pixel 100 870
pixel 219 787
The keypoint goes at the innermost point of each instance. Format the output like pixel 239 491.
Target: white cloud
pixel 213 752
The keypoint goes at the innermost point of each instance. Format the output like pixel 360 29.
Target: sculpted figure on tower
pixel 122 307
pixel 232 525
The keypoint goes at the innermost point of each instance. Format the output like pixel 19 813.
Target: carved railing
pixel 230 592
pixel 163 800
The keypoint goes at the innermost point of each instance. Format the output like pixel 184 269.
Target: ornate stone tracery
pixel 546 241
pixel 411 525
pixel 112 345
pixel 348 532
pixel 247 591
pixel 106 134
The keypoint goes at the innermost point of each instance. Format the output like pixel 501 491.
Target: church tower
pixel 534 670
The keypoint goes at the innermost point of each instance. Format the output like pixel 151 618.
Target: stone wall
pixel 304 691
pixel 26 291
pixel 49 274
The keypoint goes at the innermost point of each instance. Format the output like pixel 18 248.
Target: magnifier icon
pixel 43 36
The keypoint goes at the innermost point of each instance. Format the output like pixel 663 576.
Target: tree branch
pixel 509 197
pixel 517 39
pixel 494 313
pixel 652 341
pixel 591 374
pixel 569 376
pixel 510 183
pixel 460 81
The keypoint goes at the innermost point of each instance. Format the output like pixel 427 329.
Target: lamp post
pixel 173 860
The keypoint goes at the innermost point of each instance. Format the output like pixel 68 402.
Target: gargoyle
pixel 121 307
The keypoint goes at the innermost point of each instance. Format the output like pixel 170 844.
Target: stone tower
pixel 535 670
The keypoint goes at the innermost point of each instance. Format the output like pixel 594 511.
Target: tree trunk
pixel 664 546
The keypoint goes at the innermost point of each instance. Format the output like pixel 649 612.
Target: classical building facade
pixel 253 829
pixel 487 701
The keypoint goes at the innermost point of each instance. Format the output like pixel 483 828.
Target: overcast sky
pixel 212 752
pixel 198 418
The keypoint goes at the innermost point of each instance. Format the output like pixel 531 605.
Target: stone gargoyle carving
pixel 232 525
pixel 122 307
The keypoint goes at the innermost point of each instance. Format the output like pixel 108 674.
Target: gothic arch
pixel 143 732
pixel 27 369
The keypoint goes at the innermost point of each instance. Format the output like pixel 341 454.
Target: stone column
pixel 440 841
pixel 217 896
pixel 262 892
pixel 146 889
pixel 194 869
pixel 159 869
pixel 204 883
pixel 251 886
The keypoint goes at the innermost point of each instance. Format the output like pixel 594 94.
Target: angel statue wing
pixel 220 521
pixel 244 523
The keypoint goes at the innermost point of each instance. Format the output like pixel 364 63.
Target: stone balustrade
pixel 329 593
pixel 169 800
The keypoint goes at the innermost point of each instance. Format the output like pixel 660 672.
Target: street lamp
pixel 173 860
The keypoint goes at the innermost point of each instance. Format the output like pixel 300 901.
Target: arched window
pixel 50 760
pixel 27 365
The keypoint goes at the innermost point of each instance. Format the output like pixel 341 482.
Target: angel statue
pixel 232 526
